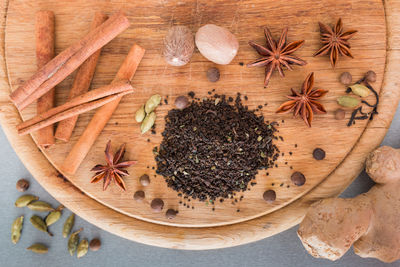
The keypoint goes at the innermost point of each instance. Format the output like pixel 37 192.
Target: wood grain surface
pixel 346 149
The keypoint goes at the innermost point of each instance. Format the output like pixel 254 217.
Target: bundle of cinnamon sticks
pixel 82 55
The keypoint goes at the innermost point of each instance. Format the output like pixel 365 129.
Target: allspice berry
pixel 298 178
pixel 340 114
pixel 370 76
pixel 345 78
pixel 181 102
pixel 95 244
pixel 139 196
pixel 170 214
pixel 213 74
pixel 144 180
pixel 157 205
pixel 269 196
pixel 22 185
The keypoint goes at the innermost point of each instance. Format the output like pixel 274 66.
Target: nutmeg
pixel 178 46
pixel 217 44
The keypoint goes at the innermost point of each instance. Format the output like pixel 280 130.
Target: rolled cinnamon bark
pixel 44 32
pixel 81 84
pixel 102 115
pixel 77 105
pixel 67 61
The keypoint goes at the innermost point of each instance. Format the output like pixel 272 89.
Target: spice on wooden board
pixel 319 154
pixel 212 148
pixel 298 178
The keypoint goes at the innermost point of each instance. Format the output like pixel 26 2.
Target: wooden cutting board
pixel 199 226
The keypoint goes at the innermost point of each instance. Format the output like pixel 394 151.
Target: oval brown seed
pixel 340 114
pixel 144 180
pixel 16 229
pixel 69 223
pixel 24 200
pixel 213 74
pixel 95 244
pixel 38 248
pixel 298 178
pixel 22 185
pixel 345 78
pixel 370 76
pixel 319 154
pixel 269 196
pixel 157 204
pixel 139 196
pixel 181 102
pixel 170 214
pixel 40 206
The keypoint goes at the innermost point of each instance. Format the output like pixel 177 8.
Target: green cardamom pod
pixel 38 248
pixel 360 90
pixel 40 206
pixel 16 229
pixel 39 224
pixel 69 223
pixel 148 122
pixel 53 217
pixel 348 101
pixel 82 248
pixel 140 114
pixel 152 103
pixel 24 200
pixel 73 242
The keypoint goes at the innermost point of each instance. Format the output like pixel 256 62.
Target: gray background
pixel 284 249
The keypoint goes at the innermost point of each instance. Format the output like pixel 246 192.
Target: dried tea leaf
pixel 73 242
pixel 24 200
pixel 38 248
pixel 82 249
pixel 40 206
pixel 16 229
pixel 152 103
pixel 69 223
pixel 39 224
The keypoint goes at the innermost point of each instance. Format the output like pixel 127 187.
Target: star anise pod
pixel 335 41
pixel 276 54
pixel 114 170
pixel 304 103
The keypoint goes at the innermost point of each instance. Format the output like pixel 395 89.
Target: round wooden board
pixel 337 174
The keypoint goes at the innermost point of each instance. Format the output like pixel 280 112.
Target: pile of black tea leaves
pixel 214 148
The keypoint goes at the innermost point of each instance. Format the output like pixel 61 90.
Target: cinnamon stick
pixel 67 61
pixel 81 84
pixel 102 115
pixel 44 32
pixel 77 105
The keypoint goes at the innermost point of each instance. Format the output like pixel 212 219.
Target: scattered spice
pixel 222 156
pixel 69 223
pixel 370 76
pixel 305 103
pixel 139 196
pixel 340 114
pixel 82 248
pixel 40 206
pixel 114 170
pixel 170 214
pixel 276 54
pixel 181 102
pixel 345 78
pixel 335 41
pixel 298 178
pixel 144 180
pixel 269 196
pixel 157 204
pixel 191 94
pixel 140 114
pixel 178 46
pixel 348 101
pixel 38 248
pixel 16 229
pixel 73 242
pixel 360 90
pixel 213 74
pixel 319 154
pixel 39 224
pixel 24 200
pixel 22 185
pixel 95 244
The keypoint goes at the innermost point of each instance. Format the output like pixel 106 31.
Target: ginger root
pixel 370 222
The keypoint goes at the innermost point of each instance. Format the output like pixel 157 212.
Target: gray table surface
pixel 284 249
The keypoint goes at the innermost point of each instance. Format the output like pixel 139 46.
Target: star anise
pixel 276 54
pixel 304 103
pixel 114 170
pixel 335 41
